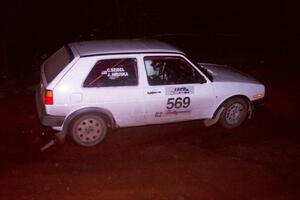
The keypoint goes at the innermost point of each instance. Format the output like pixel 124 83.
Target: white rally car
pixel 89 87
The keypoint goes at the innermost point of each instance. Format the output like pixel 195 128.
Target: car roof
pixel 99 47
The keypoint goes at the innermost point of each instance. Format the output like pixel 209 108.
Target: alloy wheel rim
pixel 89 130
pixel 234 113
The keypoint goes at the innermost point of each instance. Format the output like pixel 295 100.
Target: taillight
pixel 48 98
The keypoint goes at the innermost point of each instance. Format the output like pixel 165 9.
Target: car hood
pixel 223 73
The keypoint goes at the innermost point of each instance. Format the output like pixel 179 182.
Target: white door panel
pixel 170 103
pixel 175 90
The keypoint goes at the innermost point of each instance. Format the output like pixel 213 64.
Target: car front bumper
pixel 45 119
pixel 258 102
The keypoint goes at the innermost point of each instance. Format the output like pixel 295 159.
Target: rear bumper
pixel 45 119
pixel 258 102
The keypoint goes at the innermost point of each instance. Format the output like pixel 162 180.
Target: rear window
pixel 57 62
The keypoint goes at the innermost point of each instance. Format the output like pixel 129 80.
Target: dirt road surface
pixel 259 160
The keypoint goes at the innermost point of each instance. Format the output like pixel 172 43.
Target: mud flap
pixel 46 146
pixel 250 111
pixel 60 138
pixel 215 119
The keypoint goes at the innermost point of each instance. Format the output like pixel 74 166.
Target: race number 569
pixel 178 102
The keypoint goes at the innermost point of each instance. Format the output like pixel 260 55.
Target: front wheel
pixel 88 130
pixel 234 113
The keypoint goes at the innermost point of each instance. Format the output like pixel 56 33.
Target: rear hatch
pixel 53 66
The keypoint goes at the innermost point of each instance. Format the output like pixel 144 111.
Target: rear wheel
pixel 234 113
pixel 88 130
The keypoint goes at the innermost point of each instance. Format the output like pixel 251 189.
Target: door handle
pixel 153 92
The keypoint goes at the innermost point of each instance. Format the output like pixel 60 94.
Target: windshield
pixel 203 70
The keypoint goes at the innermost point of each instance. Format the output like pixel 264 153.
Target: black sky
pixel 30 28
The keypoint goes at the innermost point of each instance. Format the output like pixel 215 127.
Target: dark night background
pixel 258 160
pixel 214 30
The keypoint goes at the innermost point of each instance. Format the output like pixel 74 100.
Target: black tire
pixel 88 130
pixel 235 113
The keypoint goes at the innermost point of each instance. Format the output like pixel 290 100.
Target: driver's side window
pixel 169 70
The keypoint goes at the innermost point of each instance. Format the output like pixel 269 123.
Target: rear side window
pixel 113 72
pixel 57 62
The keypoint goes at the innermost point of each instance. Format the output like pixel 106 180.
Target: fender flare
pixel 219 110
pixel 99 111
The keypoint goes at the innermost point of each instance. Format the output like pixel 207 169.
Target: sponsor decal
pixel 154 92
pixel 176 112
pixel 171 112
pixel 179 90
